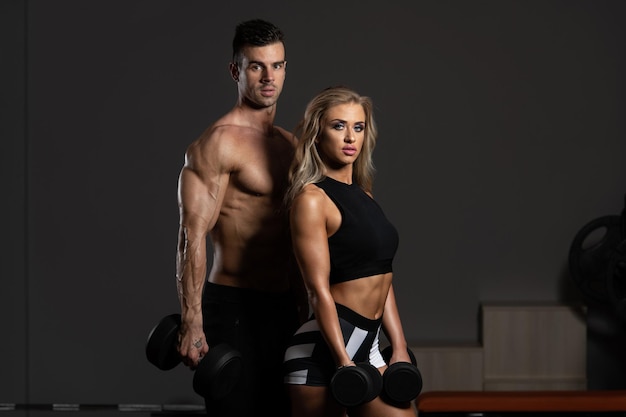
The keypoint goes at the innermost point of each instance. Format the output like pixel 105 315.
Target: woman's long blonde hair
pixel 307 166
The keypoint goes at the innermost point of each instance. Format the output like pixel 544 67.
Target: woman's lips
pixel 349 151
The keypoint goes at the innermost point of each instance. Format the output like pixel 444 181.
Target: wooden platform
pixel 521 401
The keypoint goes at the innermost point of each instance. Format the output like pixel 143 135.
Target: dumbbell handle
pixel 346 365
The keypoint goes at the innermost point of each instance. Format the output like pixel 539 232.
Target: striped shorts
pixel 308 360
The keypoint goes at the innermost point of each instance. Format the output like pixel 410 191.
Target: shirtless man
pixel 231 189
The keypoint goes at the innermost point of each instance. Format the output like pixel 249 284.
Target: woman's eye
pixel 359 128
pixel 338 126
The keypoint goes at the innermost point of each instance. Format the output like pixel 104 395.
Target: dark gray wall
pixel 13 162
pixel 502 133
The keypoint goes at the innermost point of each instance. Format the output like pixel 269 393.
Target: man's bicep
pixel 198 200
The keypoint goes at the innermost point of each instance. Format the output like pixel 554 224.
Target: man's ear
pixel 234 71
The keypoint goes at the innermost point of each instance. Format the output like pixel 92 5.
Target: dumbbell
pixel 616 280
pixel 590 252
pixel 217 372
pixel 355 385
pixel 402 381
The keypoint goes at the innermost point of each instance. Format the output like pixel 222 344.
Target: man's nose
pixel 268 75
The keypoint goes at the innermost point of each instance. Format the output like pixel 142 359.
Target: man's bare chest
pixel 261 174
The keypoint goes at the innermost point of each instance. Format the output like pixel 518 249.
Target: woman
pixel 345 247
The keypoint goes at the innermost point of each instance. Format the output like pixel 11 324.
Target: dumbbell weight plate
pixel 355 385
pixel 590 252
pixel 402 381
pixel 616 280
pixel 161 345
pixel 218 372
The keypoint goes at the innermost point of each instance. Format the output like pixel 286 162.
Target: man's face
pixel 262 74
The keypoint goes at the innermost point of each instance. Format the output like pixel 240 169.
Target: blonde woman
pixel 344 246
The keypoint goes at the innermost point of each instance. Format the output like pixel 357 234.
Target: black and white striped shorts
pixel 308 360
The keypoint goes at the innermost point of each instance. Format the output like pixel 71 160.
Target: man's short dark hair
pixel 255 32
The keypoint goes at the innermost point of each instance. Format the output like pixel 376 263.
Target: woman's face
pixel 342 133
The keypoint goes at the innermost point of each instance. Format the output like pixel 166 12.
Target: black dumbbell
pixel 217 372
pixel 355 385
pixel 402 381
pixel 161 345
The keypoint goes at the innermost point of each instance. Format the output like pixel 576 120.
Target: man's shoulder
pixel 224 135
pixel 285 134
pixel 216 135
pixel 221 130
pixel 235 131
pixel 214 146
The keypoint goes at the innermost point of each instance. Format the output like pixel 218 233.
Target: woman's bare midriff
pixel 365 296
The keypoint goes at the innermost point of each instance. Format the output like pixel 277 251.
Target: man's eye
pixel 278 66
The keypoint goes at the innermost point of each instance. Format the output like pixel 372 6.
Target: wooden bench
pixel 468 402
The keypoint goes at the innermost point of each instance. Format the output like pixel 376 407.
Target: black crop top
pixel 366 242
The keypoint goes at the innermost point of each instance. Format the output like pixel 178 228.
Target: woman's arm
pixel 308 218
pixel 392 326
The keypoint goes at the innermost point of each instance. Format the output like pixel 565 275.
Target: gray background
pixel 501 134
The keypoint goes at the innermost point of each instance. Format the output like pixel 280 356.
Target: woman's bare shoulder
pixel 311 198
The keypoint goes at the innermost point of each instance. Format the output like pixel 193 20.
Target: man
pixel 231 189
